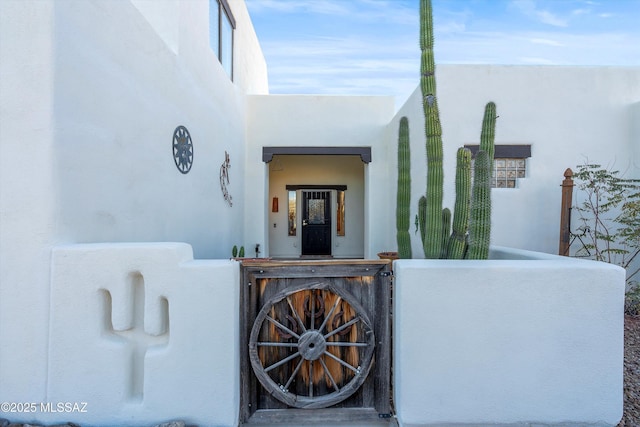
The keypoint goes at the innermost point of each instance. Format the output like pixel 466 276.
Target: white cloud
pixel 529 8
pixel 451 27
pixel 581 11
pixel 537 61
pixel 357 10
pixel 547 42
pixel 325 7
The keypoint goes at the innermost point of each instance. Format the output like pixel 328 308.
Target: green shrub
pixel 609 228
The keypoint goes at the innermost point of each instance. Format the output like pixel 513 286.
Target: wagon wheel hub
pixel 312 345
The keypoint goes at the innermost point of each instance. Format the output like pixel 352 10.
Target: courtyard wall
pixel 569 116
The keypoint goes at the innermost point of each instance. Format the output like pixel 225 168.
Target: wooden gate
pixel 315 341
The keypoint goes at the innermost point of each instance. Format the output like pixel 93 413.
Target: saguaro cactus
pixel 433 131
pixel 433 221
pixel 403 205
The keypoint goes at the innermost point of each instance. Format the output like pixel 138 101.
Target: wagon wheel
pixel 318 356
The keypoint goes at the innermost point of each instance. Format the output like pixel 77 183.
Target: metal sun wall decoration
pixel 182 149
pixel 224 178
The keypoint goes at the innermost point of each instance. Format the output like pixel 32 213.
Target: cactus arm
pixel 480 221
pixel 488 134
pixel 434 191
pixel 446 226
pixel 404 191
pixel 458 240
pixel 422 216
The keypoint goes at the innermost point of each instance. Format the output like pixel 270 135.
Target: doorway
pixel 316 222
pixel 294 177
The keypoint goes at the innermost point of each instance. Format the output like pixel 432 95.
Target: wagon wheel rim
pixel 309 345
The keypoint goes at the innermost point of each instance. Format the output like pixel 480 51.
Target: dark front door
pixel 316 223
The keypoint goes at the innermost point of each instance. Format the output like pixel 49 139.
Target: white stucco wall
pixel 91 92
pixel 635 136
pixel 160 16
pixel 296 120
pixel 117 102
pixel 568 116
pixel 27 196
pixel 524 338
pixel 635 148
pixel 167 350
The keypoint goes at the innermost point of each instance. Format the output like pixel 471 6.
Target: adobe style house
pixel 123 126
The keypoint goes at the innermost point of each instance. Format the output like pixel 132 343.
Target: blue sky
pixel 370 47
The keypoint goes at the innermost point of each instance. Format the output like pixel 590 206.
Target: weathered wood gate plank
pixel 367 284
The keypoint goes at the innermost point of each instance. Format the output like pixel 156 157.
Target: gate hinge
pixel 386 273
pixel 384 415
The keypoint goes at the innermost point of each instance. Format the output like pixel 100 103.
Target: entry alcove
pixel 315 341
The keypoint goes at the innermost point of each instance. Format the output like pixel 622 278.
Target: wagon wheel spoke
pixel 310 378
pixel 282 362
pixel 313 308
pixel 281 326
pixel 296 315
pixel 293 375
pixel 342 362
pixel 346 344
pixel 345 326
pixel 277 344
pixel 328 373
pixel 326 319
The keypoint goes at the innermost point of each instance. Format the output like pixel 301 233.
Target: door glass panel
pixel 316 211
pixel 292 213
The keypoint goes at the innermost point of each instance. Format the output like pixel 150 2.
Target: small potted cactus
pixel 235 253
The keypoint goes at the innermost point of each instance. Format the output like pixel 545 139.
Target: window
pixel 221 26
pixel 292 213
pixel 340 213
pixel 506 171
pixel 509 164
